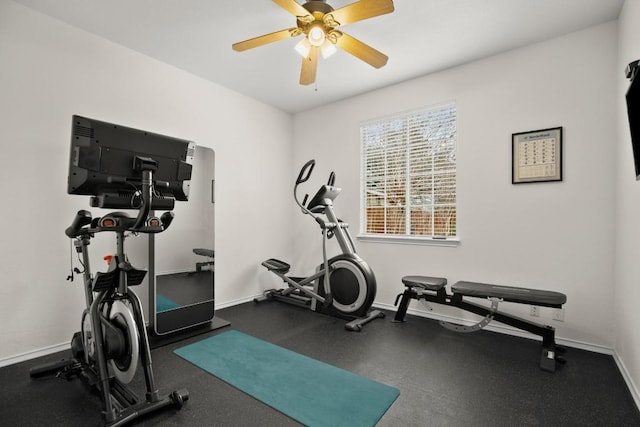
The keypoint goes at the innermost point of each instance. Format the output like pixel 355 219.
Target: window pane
pixel 375 220
pixel 396 191
pixel 421 222
pixel 445 185
pixel 445 221
pixel 395 220
pixel 409 173
pixel 422 191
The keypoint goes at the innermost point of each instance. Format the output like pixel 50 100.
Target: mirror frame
pixel 192 317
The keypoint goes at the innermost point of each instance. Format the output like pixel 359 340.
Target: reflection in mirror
pixel 182 260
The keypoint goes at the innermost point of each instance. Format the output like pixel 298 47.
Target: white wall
pixel 50 71
pixel 557 236
pixel 627 277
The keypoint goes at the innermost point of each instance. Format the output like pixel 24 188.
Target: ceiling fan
pixel 319 22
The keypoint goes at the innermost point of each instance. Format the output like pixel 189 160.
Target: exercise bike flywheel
pixel 124 367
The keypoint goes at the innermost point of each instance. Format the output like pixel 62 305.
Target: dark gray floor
pixel 445 378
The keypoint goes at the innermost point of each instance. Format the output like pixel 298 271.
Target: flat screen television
pixel 633 111
pixel 102 164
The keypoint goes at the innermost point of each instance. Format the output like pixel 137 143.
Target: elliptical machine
pixel 113 340
pixel 344 285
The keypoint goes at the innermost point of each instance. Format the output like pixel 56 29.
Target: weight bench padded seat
pixel 425 282
pixel 206 264
pixel 510 294
pixel 203 252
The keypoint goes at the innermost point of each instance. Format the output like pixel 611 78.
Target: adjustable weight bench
pixel 206 253
pixel 433 289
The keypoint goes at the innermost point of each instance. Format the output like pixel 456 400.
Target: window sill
pixel 409 240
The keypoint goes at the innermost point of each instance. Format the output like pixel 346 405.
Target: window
pixel 409 174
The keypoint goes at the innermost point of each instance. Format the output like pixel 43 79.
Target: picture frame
pixel 536 156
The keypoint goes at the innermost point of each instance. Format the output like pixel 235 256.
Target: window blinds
pixel 409 174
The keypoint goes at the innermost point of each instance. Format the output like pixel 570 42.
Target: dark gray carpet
pixel 445 378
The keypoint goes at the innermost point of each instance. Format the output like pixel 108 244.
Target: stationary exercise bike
pixel 344 285
pixel 113 339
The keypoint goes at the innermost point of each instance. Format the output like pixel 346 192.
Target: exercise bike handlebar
pixel 81 219
pixel 84 224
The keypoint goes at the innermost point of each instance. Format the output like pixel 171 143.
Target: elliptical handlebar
pixel 327 191
pixel 332 179
pixel 302 177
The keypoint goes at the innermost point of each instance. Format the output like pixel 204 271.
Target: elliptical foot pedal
pixel 276 266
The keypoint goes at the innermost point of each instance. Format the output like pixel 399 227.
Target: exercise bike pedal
pixel 71 371
pixel 58 367
pixel 178 397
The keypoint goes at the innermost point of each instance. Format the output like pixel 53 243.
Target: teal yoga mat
pixel 165 304
pixel 307 390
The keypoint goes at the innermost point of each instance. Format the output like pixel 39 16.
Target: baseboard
pixel 176 271
pixel 633 388
pixel 236 302
pixel 11 360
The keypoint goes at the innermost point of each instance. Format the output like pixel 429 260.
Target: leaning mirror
pixel 182 261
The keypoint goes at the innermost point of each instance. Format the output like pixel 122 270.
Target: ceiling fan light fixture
pixel 303 47
pixel 327 49
pixel 316 36
pixel 318 21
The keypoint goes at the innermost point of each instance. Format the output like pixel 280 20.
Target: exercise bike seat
pixel 276 266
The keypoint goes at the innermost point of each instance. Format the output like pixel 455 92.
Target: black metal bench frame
pixel 433 289
pixel 205 253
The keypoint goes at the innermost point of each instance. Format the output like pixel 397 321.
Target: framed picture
pixel 536 156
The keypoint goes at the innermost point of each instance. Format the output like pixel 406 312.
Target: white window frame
pixel 447 137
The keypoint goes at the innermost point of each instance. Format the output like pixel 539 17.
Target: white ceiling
pixel 420 37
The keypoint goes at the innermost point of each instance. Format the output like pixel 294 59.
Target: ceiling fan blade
pixel 292 7
pixel 363 9
pixel 265 39
pixel 361 50
pixel 309 67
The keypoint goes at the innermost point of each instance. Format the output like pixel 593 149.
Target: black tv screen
pixel 101 164
pixel 633 111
